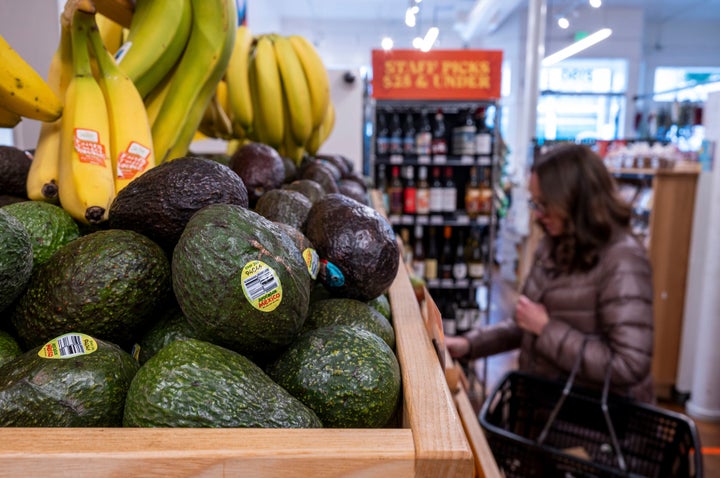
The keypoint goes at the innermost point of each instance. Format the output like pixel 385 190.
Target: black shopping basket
pixel 541 428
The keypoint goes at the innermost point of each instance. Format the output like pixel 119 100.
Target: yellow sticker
pixel 261 286
pixel 313 262
pixel 67 346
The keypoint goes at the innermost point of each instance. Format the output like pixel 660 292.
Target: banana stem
pixel 81 25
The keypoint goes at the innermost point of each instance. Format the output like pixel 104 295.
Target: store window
pixel 685 84
pixel 582 100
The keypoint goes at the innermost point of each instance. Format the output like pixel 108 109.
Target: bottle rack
pixel 463 299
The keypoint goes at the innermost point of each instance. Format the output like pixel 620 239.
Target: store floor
pixel 502 294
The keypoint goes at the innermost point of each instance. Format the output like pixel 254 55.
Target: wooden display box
pixel 430 441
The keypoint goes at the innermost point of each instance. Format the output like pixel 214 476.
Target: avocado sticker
pixel 67 346
pixel 313 262
pixel 261 286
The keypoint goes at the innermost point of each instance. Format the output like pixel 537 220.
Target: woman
pixel 591 279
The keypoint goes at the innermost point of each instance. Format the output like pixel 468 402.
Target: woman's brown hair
pixel 575 182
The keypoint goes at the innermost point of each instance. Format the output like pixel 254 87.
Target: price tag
pixel 394 219
pixel 396 159
pixel 484 161
pixel 463 219
pixel 407 220
pixel 423 159
pixel 467 159
pixel 483 220
pixel 439 159
pixel 436 220
pixel 433 283
pixel 447 283
pixel 421 220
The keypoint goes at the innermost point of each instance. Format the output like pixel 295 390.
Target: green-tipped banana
pixel 267 95
pixel 156 39
pixel 316 74
pixel 238 83
pixel 295 90
pixel 198 72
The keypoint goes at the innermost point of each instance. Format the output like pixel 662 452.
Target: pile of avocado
pixel 216 295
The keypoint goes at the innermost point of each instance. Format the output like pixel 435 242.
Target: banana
pixel 201 67
pixel 295 90
pixel 316 75
pixel 9 119
pixel 157 36
pixel 86 179
pixel 110 31
pixel 266 87
pixel 42 180
pixel 322 132
pixel 240 104
pixel 215 122
pixel 131 149
pixel 22 90
pixel 154 100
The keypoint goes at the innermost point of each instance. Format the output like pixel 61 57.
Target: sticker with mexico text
pixel 261 286
pixel 67 346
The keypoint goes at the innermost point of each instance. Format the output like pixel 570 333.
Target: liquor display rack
pixel 456 155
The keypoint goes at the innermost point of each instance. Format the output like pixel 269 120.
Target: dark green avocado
pixel 84 390
pixel 241 280
pixel 192 383
pixel 159 203
pixel 106 284
pixel 353 312
pixel 348 376
pixel 16 258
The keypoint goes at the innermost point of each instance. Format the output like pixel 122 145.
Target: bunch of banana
pixel 23 92
pixel 42 180
pixel 86 179
pixel 195 77
pixel 131 148
pixel 278 93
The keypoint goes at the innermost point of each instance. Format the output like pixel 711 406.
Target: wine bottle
pixel 446 256
pixel 418 262
pixel 460 267
pixel 382 140
pixel 410 192
pixel 409 135
pixel 449 198
pixel 436 192
pixel 395 192
pixel 396 135
pixel 423 138
pixel 422 193
pixel 431 256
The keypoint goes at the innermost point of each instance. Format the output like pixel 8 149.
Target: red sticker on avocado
pixel 261 286
pixel 312 260
pixel 68 345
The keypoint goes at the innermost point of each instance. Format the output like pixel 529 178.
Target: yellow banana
pixel 316 75
pixel 321 133
pixel 22 90
pixel 198 72
pixel 295 90
pixel 110 31
pixel 238 87
pixel 42 180
pixel 154 100
pixel 215 122
pixel 8 119
pixel 157 36
pixel 131 149
pixel 268 119
pixel 86 179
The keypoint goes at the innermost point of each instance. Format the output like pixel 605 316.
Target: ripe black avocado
pixel 358 241
pixel 159 203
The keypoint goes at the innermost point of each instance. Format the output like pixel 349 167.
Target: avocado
pixel 6 199
pixel 290 169
pixel 50 227
pixel 343 165
pixel 351 189
pixel 349 312
pixel 14 168
pixel 9 347
pixel 324 174
pixel 171 326
pixel 381 303
pixel 311 189
pixel 348 376
pixel 240 280
pixel 74 380
pixel 283 205
pixel 358 241
pixel 159 203
pixel 106 284
pixel 193 383
pixel 261 168
pixel 16 258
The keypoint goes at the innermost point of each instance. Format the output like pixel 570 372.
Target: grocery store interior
pixel 645 95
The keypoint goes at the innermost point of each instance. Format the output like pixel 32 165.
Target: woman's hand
pixel 458 346
pixel 531 316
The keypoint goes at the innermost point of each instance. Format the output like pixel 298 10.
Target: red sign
pixel 436 74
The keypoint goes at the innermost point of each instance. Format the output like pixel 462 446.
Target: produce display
pixel 142 285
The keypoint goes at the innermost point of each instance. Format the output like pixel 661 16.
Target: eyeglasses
pixel 537 206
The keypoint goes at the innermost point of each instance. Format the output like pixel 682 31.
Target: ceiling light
pixel 596 3
pixel 417 42
pixel 386 43
pixel 577 47
pixel 563 22
pixel 410 15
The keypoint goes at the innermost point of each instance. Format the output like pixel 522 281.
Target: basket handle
pixel 603 405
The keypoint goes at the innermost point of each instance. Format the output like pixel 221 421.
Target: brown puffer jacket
pixel 611 305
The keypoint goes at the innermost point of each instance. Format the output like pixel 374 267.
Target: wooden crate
pixel 429 442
